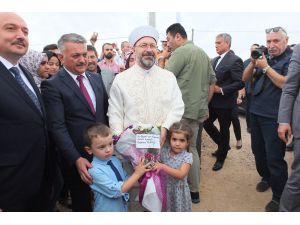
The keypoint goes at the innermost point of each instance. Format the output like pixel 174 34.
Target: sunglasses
pixel 275 29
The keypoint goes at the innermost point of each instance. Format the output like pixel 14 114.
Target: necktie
pixel 21 82
pixel 216 62
pixel 85 92
pixel 118 175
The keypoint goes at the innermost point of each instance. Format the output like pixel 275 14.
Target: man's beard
pixel 147 63
pixel 109 56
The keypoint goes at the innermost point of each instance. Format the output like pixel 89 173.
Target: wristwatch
pixel 266 69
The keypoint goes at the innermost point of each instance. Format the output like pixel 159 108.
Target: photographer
pixel 267 70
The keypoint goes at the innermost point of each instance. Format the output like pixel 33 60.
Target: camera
pixel 258 52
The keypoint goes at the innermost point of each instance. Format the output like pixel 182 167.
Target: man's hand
pixel 166 54
pixel 94 38
pixel 163 136
pixel 284 132
pixel 261 62
pixel 217 89
pixel 82 166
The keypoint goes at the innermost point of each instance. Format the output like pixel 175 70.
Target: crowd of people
pixel 62 108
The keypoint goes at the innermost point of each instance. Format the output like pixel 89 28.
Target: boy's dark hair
pixel 50 47
pixel 177 28
pixel 94 130
pixel 182 128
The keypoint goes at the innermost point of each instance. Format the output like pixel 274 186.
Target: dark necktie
pixel 118 175
pixel 21 82
pixel 216 62
pixel 85 92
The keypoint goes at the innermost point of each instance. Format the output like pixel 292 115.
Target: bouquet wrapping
pixel 152 193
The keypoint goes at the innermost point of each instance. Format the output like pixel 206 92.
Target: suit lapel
pixel 14 84
pixel 70 83
pixel 225 59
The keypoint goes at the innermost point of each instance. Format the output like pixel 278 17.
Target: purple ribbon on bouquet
pixel 159 187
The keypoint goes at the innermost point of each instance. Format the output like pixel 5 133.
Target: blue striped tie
pixel 21 82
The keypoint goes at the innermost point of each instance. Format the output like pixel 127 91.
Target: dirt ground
pixel 231 189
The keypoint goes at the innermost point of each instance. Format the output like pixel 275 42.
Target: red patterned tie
pixel 85 92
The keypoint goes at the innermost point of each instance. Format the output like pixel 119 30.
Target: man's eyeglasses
pixel 275 29
pixel 145 46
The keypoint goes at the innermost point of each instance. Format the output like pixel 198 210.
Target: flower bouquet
pixel 143 141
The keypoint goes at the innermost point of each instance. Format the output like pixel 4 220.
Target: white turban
pixel 143 31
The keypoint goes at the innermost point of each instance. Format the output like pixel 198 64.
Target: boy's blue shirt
pixel 106 187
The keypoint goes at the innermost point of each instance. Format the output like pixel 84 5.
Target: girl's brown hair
pixel 182 128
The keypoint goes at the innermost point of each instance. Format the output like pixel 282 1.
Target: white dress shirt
pixel 8 65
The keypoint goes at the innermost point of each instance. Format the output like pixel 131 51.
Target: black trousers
pixel 236 123
pixel 80 192
pixel 269 152
pixel 220 137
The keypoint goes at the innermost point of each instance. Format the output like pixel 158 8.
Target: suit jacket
pixel 23 143
pixel 229 77
pixel 69 113
pixel 289 108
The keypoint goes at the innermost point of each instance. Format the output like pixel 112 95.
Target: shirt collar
pixel 8 64
pixel 223 55
pixel 74 75
pixel 100 161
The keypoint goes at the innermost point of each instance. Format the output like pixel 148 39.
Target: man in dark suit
pixel 23 132
pixel 229 70
pixel 74 99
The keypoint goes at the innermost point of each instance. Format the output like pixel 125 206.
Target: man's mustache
pixel 19 42
pixel 92 63
pixel 81 64
pixel 149 54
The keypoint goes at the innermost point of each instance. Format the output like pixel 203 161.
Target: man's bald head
pixel 13 37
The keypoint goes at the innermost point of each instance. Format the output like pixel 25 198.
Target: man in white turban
pixel 145 93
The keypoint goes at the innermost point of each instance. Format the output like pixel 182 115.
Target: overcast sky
pixel 47 27
pixel 245 21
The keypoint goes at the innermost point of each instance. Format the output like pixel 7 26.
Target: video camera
pixel 258 52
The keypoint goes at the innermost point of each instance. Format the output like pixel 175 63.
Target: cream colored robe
pixel 147 97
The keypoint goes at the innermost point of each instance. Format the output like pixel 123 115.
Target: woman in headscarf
pixel 53 62
pixel 37 64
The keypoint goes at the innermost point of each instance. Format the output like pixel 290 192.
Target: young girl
pixel 176 164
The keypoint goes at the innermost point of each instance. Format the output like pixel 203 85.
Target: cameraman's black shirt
pixel 266 95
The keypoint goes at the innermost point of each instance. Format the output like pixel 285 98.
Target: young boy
pixel 110 182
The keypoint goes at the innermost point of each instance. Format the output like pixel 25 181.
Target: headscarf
pixel 31 61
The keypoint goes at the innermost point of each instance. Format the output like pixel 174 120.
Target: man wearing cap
pixel 144 93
